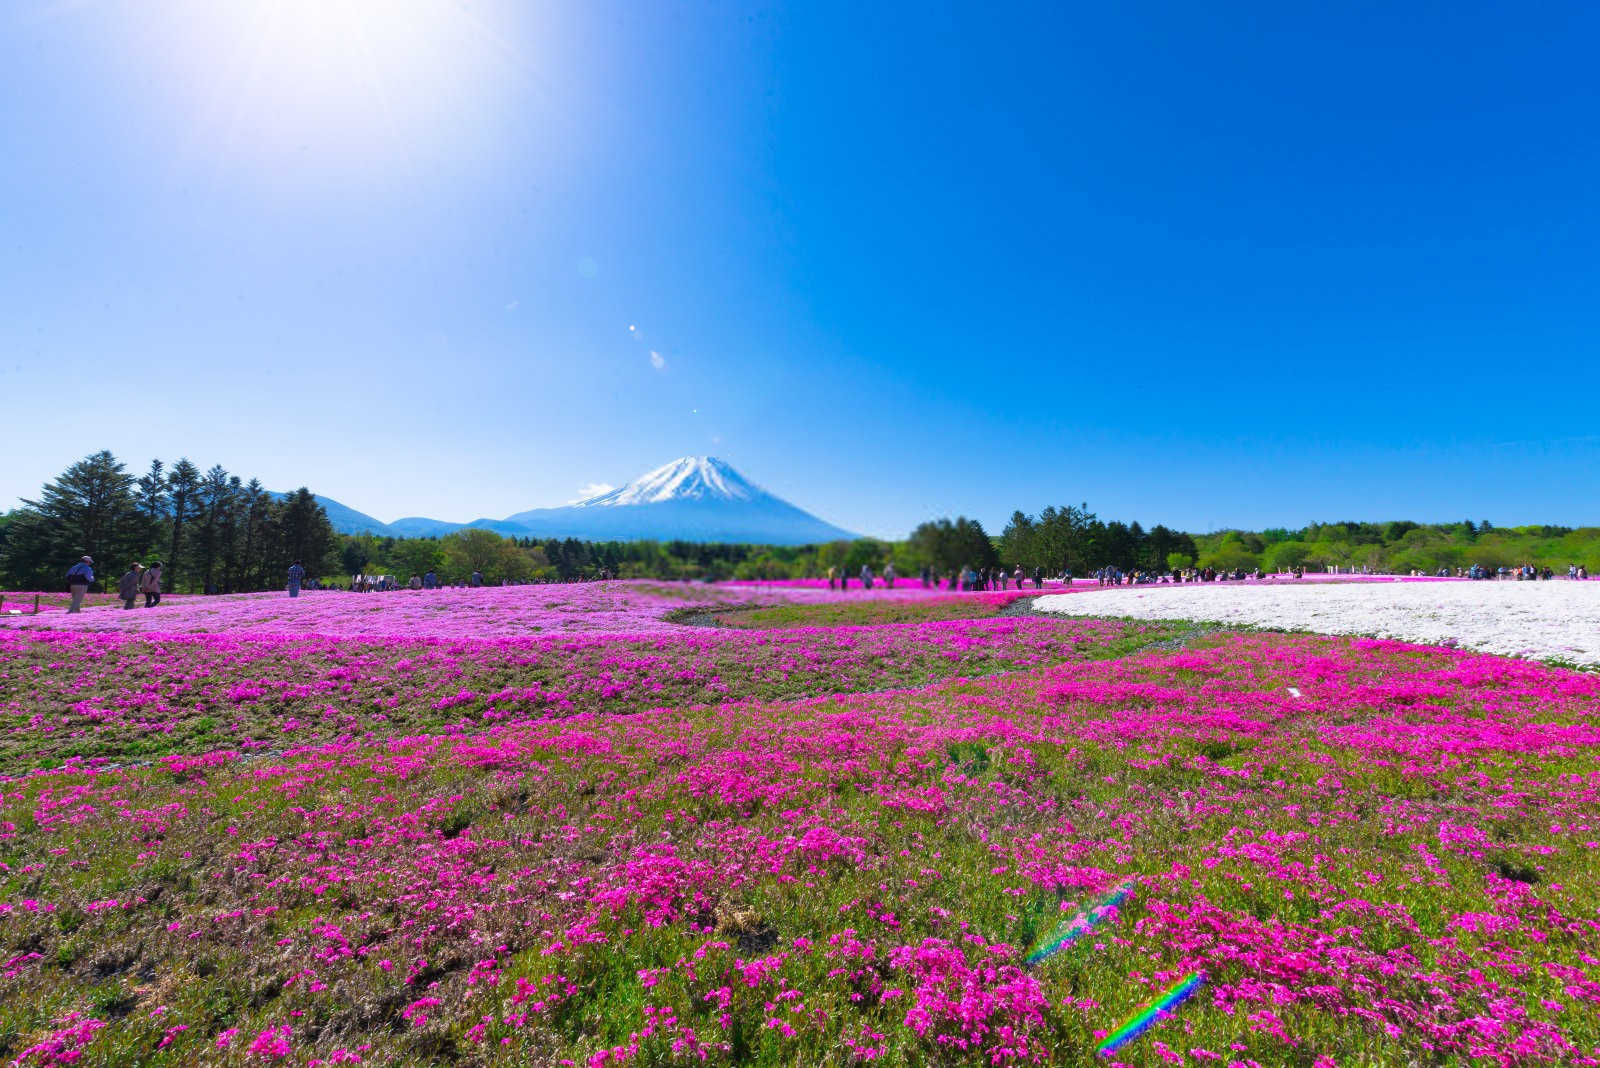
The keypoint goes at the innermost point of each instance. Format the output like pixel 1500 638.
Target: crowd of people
pixel 141 580
pixel 839 578
pixel 1525 573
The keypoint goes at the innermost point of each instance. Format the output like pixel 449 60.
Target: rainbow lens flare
pixel 1176 995
pixel 1084 921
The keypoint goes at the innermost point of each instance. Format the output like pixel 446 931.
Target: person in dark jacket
pixel 128 585
pixel 297 575
pixel 79 575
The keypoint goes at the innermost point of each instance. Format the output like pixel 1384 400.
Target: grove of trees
pixel 1402 546
pixel 210 529
pixel 214 531
pixel 1074 538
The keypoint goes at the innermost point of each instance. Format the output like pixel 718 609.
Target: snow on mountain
pixel 693 498
pixel 687 478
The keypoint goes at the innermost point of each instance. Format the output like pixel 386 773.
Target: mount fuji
pixel 694 498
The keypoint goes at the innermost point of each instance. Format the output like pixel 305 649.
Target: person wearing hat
pixel 128 585
pixel 79 575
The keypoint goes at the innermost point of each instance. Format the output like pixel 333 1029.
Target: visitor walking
pixel 866 576
pixel 128 585
pixel 150 584
pixel 297 575
pixel 79 575
pixel 888 576
pixel 833 577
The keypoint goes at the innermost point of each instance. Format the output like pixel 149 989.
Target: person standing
pixel 297 575
pixel 477 579
pixel 79 575
pixel 866 576
pixel 128 585
pixel 833 577
pixel 150 584
pixel 888 575
pixel 430 580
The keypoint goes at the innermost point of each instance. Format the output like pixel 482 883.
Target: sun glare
pixel 316 82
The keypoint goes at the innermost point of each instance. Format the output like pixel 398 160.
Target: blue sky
pixel 1208 265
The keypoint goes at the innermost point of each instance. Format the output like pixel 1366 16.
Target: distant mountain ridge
pixel 693 498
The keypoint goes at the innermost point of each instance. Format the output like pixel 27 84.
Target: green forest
pixel 215 531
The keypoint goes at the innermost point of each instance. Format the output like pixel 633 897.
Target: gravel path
pixel 1555 620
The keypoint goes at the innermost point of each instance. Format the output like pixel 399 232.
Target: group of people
pixel 428 580
pixel 982 578
pixel 137 580
pixel 1111 576
pixel 1525 573
pixel 839 578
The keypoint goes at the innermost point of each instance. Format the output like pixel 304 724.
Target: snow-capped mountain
pixel 686 478
pixel 694 498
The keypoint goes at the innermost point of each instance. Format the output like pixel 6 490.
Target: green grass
pixel 862 613
pixel 448 849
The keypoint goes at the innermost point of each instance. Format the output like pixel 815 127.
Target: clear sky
pixel 1203 264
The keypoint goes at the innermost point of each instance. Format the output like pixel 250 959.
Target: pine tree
pixel 256 508
pixel 305 534
pixel 152 494
pixel 213 524
pixel 183 486
pixel 89 509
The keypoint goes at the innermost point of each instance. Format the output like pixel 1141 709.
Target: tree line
pixel 1401 547
pixel 214 531
pixel 211 530
pixel 1056 539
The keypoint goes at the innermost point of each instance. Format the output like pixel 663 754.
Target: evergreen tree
pixel 89 509
pixel 304 534
pixel 213 525
pixel 152 496
pixel 256 506
pixel 183 503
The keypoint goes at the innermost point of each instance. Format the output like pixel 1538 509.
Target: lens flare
pixel 1081 923
pixel 1176 995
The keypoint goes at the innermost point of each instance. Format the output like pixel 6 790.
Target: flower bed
pixel 1362 845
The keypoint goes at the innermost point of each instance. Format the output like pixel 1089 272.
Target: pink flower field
pixel 556 825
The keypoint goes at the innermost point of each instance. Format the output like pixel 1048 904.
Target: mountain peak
pixel 693 498
pixel 696 478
